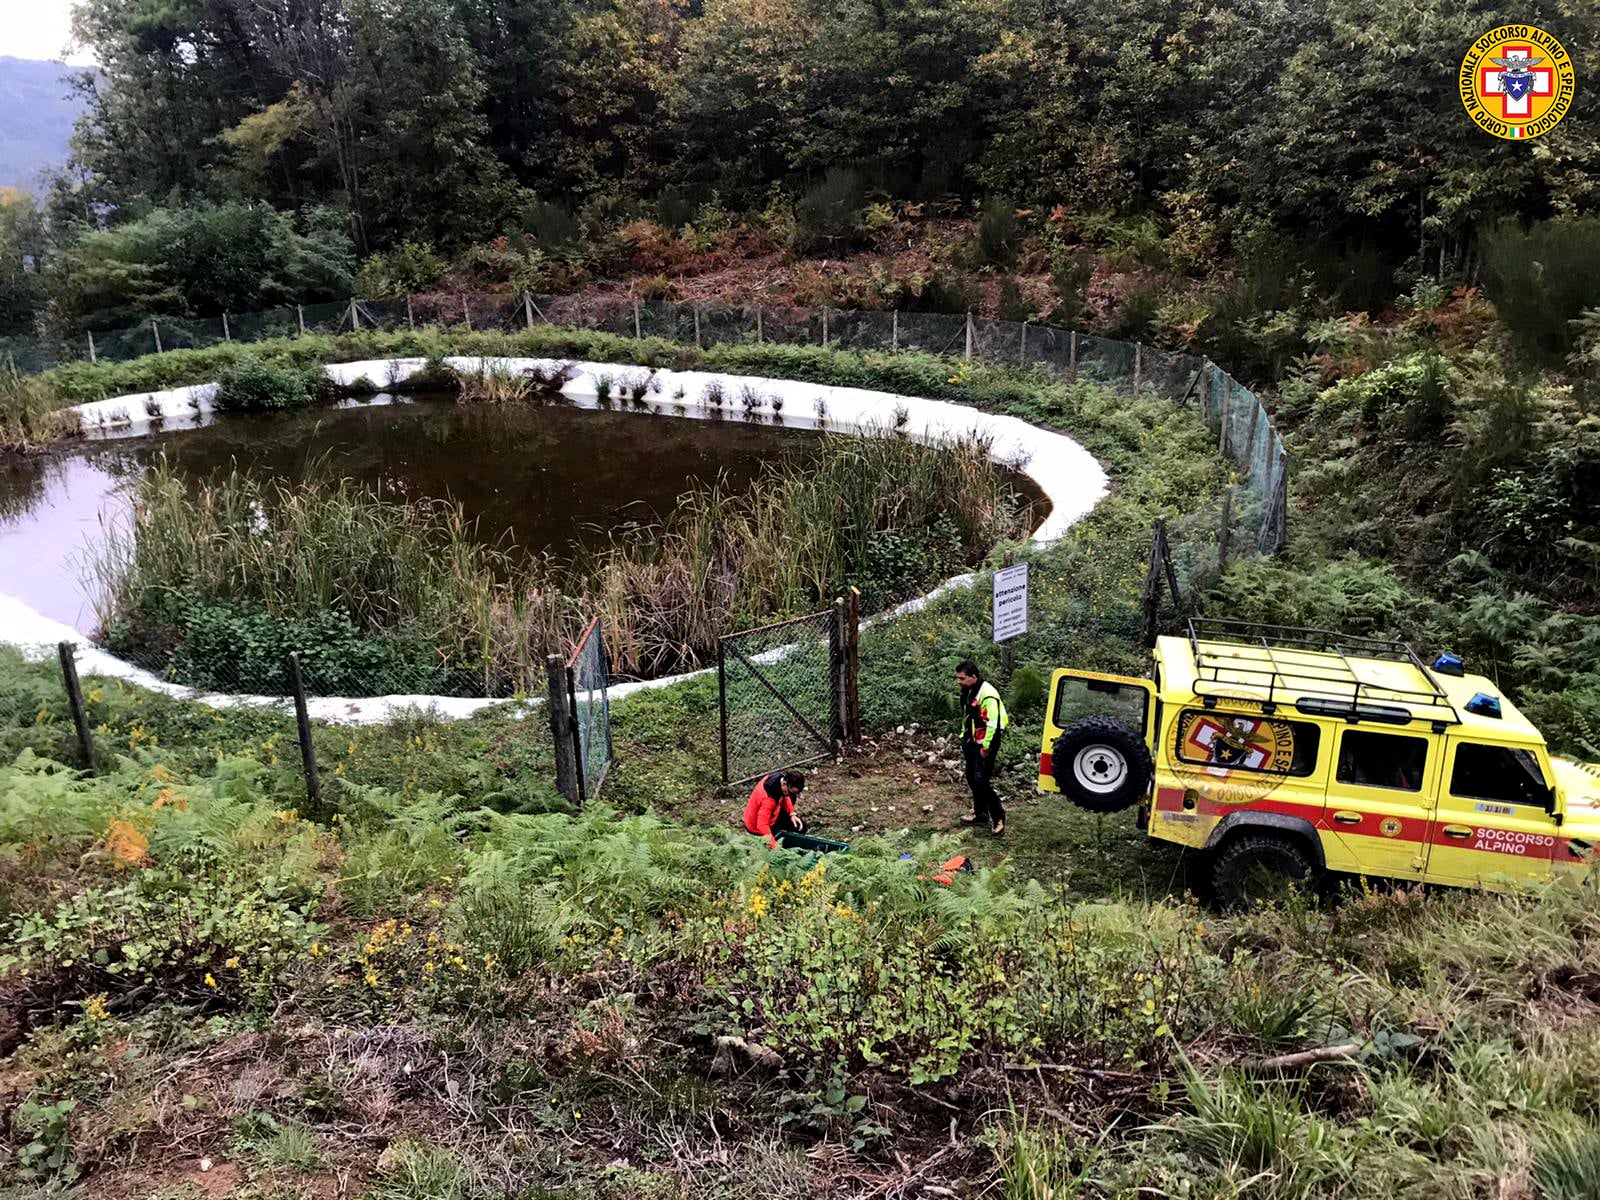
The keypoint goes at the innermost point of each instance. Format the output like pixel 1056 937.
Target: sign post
pixel 1010 607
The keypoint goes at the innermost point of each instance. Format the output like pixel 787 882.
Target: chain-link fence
pixel 779 690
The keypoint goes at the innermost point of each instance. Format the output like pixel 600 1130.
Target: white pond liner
pixel 1064 471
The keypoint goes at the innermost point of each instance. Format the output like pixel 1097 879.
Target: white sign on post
pixel 1010 602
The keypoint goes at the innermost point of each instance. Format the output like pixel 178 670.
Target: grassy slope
pixel 578 1062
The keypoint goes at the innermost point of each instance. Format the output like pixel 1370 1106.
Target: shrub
pixel 829 214
pixel 409 267
pixel 999 233
pixel 253 384
pixel 1541 280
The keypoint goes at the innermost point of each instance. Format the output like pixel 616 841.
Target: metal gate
pixel 779 688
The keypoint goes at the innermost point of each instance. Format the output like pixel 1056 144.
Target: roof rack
pixel 1279 668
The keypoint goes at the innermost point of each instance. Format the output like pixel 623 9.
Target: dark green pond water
pixel 538 478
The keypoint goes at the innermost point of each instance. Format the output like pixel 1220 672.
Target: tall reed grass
pixel 30 414
pixel 415 570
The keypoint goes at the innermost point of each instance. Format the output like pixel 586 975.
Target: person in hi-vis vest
pixel 983 725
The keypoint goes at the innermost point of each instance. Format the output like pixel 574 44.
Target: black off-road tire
pixel 1102 765
pixel 1251 858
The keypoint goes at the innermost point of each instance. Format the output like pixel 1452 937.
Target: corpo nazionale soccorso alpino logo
pixel 1517 82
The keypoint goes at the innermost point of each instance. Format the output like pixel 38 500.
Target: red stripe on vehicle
pixel 1047 765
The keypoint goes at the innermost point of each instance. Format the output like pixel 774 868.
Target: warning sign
pixel 1010 602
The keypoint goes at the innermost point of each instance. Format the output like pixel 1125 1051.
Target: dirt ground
pixel 912 780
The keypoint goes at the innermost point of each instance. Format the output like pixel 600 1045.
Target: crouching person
pixel 770 809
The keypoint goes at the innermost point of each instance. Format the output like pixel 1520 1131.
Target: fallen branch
pixel 1303 1058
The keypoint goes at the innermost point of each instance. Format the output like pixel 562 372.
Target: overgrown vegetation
pixel 215 585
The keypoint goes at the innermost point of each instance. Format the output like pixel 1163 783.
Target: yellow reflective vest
pixel 985 716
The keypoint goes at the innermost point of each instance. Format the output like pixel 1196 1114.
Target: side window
pixel 1239 742
pixel 1078 698
pixel 1502 773
pixel 1384 760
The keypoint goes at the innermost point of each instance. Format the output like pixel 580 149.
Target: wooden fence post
pixel 92 357
pixel 760 337
pixel 561 729
pixel 1072 355
pixel 302 722
pixel 894 331
pixel 697 344
pixel 227 336
pixel 466 311
pixel 824 326
pixel 300 312
pixel 637 326
pixel 1138 365
pixel 411 316
pixel 155 331
pixel 967 353
pixel 1022 348
pixel 355 317
pixel 527 313
pixel 80 716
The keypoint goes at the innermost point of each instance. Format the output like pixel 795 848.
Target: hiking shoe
pixel 969 822
pixel 998 828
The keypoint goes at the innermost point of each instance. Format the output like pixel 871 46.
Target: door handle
pixel 1347 818
pixel 1458 831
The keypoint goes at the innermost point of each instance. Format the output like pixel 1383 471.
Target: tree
pixel 22 254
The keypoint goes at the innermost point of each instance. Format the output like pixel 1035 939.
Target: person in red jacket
pixel 770 808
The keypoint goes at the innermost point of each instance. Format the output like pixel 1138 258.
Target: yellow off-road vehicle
pixel 1281 752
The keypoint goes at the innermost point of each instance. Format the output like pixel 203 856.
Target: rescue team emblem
pixel 1517 82
pixel 1228 742
pixel 1390 826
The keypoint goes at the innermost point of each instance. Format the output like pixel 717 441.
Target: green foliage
pixel 250 384
pixel 408 267
pixel 1542 278
pixel 828 214
pixel 999 233
pixel 200 260
pixel 47 1154
pixel 1027 693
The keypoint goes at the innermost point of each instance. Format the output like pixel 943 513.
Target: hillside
pixel 37 110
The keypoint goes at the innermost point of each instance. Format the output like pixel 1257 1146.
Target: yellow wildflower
pixel 210 982
pixel 95 1007
pixel 233 963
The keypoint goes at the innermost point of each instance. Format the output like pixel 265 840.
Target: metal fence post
pixel 838 675
pixel 155 331
pixel 722 703
pixel 1072 354
pixel 92 357
pixel 561 729
pixel 302 721
pixel 80 715
pixel 852 646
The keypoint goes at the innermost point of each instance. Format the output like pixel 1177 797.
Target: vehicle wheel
pixel 1255 869
pixel 1101 765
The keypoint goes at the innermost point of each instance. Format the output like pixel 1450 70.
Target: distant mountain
pixel 37 109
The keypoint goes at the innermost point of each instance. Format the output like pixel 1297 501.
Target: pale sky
pixel 37 29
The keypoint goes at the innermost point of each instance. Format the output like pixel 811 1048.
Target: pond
pixel 540 478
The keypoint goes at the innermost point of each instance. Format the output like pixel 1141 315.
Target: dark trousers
pixel 980 773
